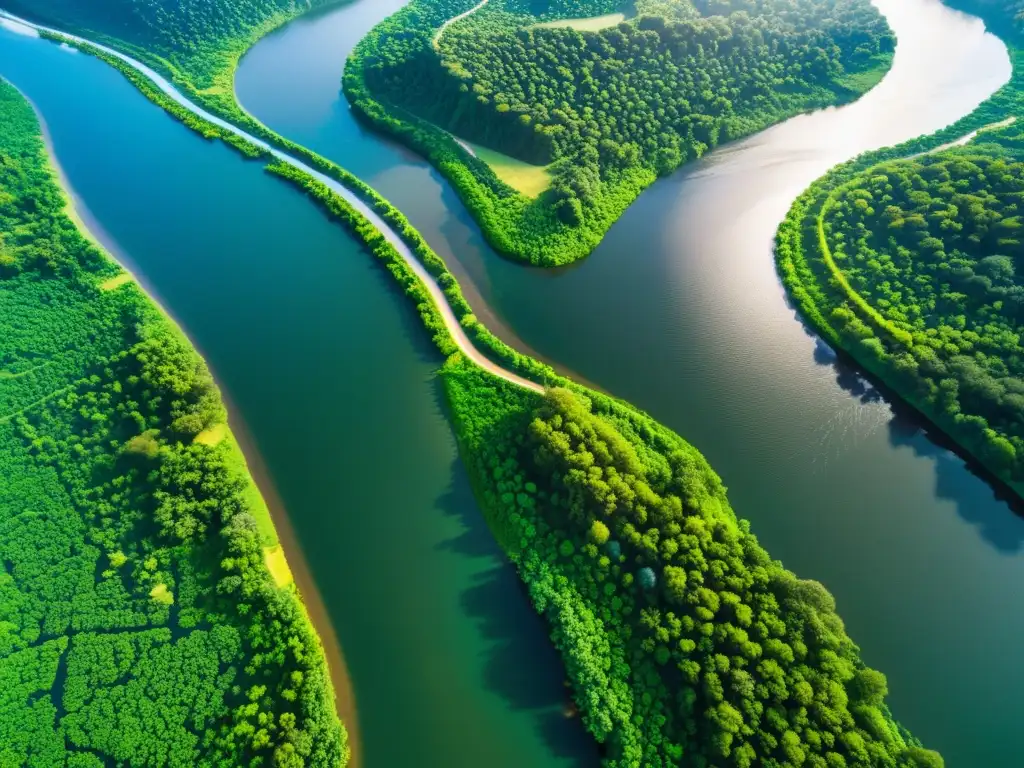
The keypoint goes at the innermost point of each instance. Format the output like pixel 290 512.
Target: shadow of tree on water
pixel 992 509
pixel 522 665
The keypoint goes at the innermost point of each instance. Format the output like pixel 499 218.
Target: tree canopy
pixel 934 245
pixel 195 36
pixel 607 110
pixel 686 644
pixel 139 624
pixel 911 259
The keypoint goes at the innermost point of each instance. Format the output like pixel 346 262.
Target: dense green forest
pixel 914 266
pixel 198 40
pixel 139 624
pixel 686 644
pixel 606 111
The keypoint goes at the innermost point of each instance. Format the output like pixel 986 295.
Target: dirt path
pixel 453 19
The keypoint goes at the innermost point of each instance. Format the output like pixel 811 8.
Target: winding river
pixel 334 376
pixel 679 311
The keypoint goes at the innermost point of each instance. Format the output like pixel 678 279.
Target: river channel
pixel 334 378
pixel 680 311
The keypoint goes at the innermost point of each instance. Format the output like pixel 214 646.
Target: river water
pixel 335 379
pixel 680 311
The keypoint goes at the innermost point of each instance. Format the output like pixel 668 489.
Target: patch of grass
pixel 277 564
pixel 116 282
pixel 211 436
pixel 528 179
pixel 591 24
pixel 257 504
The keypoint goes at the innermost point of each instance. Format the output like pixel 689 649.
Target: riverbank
pixel 565 223
pixel 130 337
pixel 337 381
pixel 359 206
pixel 311 598
pixel 680 310
pixel 613 409
pixel 821 291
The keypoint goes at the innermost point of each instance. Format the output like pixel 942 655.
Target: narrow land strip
pixel 451 322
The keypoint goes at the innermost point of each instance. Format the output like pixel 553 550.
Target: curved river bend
pixel 680 311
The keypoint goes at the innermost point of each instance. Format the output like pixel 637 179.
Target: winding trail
pixel 852 294
pixel 451 322
pixel 965 139
pixel 453 19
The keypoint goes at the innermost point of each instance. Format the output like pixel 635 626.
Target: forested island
pixel 147 616
pixel 574 117
pixel 684 642
pixel 911 260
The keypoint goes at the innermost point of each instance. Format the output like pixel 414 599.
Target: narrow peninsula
pixel 549 118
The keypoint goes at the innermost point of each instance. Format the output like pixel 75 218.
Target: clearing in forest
pixel 591 24
pixel 523 177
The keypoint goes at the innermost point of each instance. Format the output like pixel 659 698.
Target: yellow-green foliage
pixel 161 594
pixel 591 24
pixel 524 177
pixel 277 564
pixel 116 282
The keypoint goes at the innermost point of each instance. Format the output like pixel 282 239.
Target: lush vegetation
pixel 139 624
pixel 912 263
pixel 197 42
pixel 684 642
pixel 609 110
